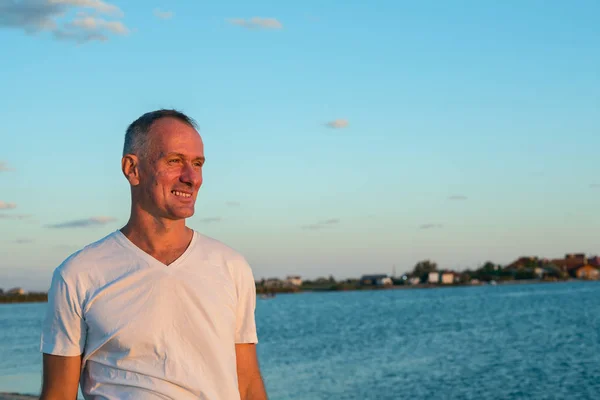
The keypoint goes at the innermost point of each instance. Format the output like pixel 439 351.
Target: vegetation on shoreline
pixel 425 274
pixel 24 298
pixel 345 286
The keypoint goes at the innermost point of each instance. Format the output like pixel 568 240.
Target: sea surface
pixel 532 341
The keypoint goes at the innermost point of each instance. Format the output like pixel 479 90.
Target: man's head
pixel 163 157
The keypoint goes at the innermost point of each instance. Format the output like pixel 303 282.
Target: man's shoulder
pixel 88 256
pixel 217 249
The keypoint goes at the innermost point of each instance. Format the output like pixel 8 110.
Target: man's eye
pixel 173 161
pixel 198 164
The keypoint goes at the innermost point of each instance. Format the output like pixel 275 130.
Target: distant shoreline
pixel 23 298
pixel 442 286
pixel 43 297
pixel 357 288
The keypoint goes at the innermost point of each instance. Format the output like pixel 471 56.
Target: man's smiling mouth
pixel 181 194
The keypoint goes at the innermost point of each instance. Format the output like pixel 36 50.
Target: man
pixel 154 310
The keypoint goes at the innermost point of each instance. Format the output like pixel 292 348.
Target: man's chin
pixel 186 215
pixel 182 214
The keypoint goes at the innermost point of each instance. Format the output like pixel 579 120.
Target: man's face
pixel 171 172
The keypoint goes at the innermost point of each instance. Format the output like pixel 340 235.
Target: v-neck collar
pixel 124 240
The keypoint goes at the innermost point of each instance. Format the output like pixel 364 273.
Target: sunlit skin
pixel 164 187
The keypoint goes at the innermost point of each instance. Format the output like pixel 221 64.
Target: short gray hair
pixel 136 136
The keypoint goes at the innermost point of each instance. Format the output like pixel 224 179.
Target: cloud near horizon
pixel 34 16
pixel 321 224
pixel 595 185
pixel 458 197
pixel 82 223
pixel 23 241
pixel 15 216
pixel 211 219
pixel 257 23
pixel 337 124
pixel 7 206
pixel 158 13
pixel 430 226
pixel 233 203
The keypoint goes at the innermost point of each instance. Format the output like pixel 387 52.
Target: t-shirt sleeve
pixel 245 331
pixel 64 328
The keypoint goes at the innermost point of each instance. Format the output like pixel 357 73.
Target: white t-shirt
pixel 151 331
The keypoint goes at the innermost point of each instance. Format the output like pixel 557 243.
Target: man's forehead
pixel 171 133
pixel 170 126
pixel 175 137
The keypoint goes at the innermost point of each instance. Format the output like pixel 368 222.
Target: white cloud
pixel 233 203
pixel 337 124
pixel 34 16
pixel 257 23
pixel 7 206
pixel 92 24
pixel 163 14
pixel 457 197
pixel 4 167
pixel 97 5
pixel 82 223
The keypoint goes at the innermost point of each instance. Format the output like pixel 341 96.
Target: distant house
pixel 433 277
pixel 587 272
pixel 576 265
pixel 375 280
pixel 577 256
pixel 15 291
pixel 415 280
pixel 272 283
pixel 294 280
pixel 594 261
pixel 448 278
pixel 571 263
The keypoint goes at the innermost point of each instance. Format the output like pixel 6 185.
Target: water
pixel 493 342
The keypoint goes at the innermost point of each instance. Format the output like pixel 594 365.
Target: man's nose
pixel 190 175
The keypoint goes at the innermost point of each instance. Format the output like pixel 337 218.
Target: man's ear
pixel 131 169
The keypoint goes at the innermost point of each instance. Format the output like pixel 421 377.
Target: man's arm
pixel 61 377
pixel 250 381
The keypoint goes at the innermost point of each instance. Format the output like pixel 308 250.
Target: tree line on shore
pixel 33 297
pixel 419 276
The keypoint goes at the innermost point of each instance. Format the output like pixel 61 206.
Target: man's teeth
pixel 176 193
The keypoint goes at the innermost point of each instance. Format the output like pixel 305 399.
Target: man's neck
pixel 155 235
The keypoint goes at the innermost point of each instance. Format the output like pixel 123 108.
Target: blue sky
pixel 341 139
